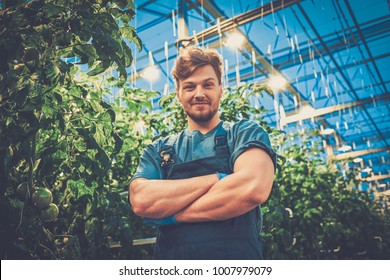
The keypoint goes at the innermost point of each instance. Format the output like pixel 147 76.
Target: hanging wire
pixel 220 44
pixel 253 64
pixel 285 25
pixel 237 68
pixel 276 107
pixel 203 25
pixel 273 18
pixel 195 38
pixel 135 74
pixel 174 23
pixel 151 63
pixel 269 52
pixel 134 63
pixel 226 71
pixel 166 87
pixel 262 10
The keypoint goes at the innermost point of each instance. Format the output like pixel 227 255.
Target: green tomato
pixel 115 183
pixel 65 240
pixel 49 213
pixel 41 198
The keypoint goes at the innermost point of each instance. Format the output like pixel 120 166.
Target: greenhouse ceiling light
pixel 306 111
pixel 386 192
pixel 234 40
pixel 367 170
pixel 277 82
pixel 357 160
pixel 150 73
pixel 327 131
pixel 345 148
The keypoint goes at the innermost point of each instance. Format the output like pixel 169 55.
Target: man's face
pixel 200 94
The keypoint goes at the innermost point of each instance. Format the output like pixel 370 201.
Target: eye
pixel 188 87
pixel 208 85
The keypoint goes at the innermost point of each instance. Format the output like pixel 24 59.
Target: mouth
pixel 200 106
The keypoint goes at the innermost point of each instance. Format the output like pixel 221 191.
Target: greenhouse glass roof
pixel 333 54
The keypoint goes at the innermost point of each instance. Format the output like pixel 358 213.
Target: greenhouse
pixel 91 89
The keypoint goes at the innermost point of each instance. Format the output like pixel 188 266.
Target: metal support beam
pixel 356 154
pixel 346 80
pixel 376 178
pixel 234 22
pixel 140 7
pixel 183 21
pixel 238 20
pixel 312 113
pixel 136 242
pixel 365 44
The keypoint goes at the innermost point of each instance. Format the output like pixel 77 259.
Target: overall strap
pixel 167 153
pixel 220 140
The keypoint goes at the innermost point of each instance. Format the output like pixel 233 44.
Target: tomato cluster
pixel 42 200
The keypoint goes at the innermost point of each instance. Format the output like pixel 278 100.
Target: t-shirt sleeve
pixel 149 164
pixel 248 134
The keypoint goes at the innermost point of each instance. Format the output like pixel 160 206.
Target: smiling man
pixel 202 187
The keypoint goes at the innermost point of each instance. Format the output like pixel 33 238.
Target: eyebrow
pixel 206 80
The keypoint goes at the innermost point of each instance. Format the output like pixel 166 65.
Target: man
pixel 202 187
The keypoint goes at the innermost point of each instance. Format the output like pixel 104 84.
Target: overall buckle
pixel 167 157
pixel 220 141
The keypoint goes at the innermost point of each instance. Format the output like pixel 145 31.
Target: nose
pixel 199 91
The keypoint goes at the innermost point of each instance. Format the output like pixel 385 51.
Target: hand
pixel 160 222
pixel 221 175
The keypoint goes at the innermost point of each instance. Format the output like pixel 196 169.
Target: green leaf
pixel 49 111
pixel 80 145
pixel 97 106
pixel 80 189
pixel 53 73
pixel 87 50
pixel 122 70
pixel 137 42
pixel 52 10
pixel 128 32
pixel 118 142
pixel 105 118
pixel 128 54
pixel 98 68
pixel 122 3
pixel 99 134
pixel 104 160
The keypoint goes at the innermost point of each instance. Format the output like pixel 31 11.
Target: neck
pixel 203 127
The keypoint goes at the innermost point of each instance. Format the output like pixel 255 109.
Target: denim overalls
pixel 236 238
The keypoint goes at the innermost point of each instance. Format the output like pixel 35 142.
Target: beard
pixel 201 116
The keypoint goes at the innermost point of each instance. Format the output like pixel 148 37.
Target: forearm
pixel 162 198
pixel 238 193
pixel 228 198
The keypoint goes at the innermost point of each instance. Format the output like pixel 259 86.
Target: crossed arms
pixel 205 198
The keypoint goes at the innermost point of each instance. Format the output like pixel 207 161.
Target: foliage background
pixel 59 132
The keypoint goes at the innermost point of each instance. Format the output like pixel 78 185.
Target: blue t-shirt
pixel 192 145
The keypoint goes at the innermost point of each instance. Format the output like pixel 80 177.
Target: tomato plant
pixel 330 218
pixel 59 135
pixel 57 132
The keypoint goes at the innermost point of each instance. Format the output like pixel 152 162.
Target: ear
pixel 220 91
pixel 178 95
